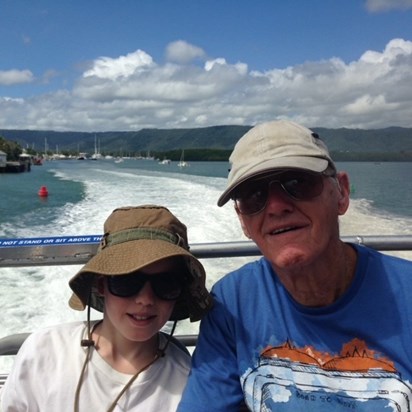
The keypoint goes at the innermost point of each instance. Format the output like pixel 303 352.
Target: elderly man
pixel 316 324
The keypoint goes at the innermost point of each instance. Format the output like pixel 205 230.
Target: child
pixel 142 276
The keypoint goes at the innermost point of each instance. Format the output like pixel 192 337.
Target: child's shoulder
pixel 60 332
pixel 175 350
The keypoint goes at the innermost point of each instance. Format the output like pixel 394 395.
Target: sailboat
pixel 96 154
pixel 182 162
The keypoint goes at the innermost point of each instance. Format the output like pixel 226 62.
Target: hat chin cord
pixel 90 344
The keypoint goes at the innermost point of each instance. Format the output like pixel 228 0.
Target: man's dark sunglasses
pixel 251 197
pixel 166 286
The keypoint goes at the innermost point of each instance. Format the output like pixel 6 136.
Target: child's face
pixel 139 317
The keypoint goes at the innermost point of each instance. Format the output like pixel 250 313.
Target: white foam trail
pixel 362 219
pixel 37 297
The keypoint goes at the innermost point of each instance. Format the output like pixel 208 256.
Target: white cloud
pixel 375 6
pixel 10 77
pixel 220 63
pixel 212 63
pixel 123 66
pixel 183 52
pixel 369 104
pixel 395 48
pixel 132 92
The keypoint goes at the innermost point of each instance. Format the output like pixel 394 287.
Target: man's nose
pixel 278 200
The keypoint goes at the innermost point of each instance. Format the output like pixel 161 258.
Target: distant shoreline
pixel 214 143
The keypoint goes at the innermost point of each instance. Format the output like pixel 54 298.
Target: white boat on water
pixel 96 155
pixel 182 162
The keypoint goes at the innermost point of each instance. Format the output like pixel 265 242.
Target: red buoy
pixel 43 192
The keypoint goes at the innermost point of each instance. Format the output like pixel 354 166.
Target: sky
pixel 123 65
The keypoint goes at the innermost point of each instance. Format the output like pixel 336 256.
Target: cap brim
pixel 313 164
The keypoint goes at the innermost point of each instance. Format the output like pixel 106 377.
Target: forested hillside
pixel 394 143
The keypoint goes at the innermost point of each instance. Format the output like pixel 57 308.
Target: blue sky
pixel 99 65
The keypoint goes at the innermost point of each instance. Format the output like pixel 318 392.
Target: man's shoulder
pixel 243 280
pixel 390 258
pixel 244 272
pixel 397 266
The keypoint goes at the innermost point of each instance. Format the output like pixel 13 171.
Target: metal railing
pixel 77 250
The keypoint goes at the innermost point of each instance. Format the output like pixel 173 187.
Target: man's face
pixel 294 232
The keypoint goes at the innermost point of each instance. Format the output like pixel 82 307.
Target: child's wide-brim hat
pixel 135 237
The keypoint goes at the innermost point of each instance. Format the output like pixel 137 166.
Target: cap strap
pixel 140 234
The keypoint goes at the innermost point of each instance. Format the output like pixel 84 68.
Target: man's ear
pixel 343 186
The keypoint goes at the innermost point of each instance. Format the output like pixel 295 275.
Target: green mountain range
pixel 211 143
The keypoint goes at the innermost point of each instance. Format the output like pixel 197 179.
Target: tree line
pixel 214 143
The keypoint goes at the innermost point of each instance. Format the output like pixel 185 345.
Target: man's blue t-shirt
pixel 259 345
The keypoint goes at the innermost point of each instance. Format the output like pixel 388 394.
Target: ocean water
pixel 83 193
